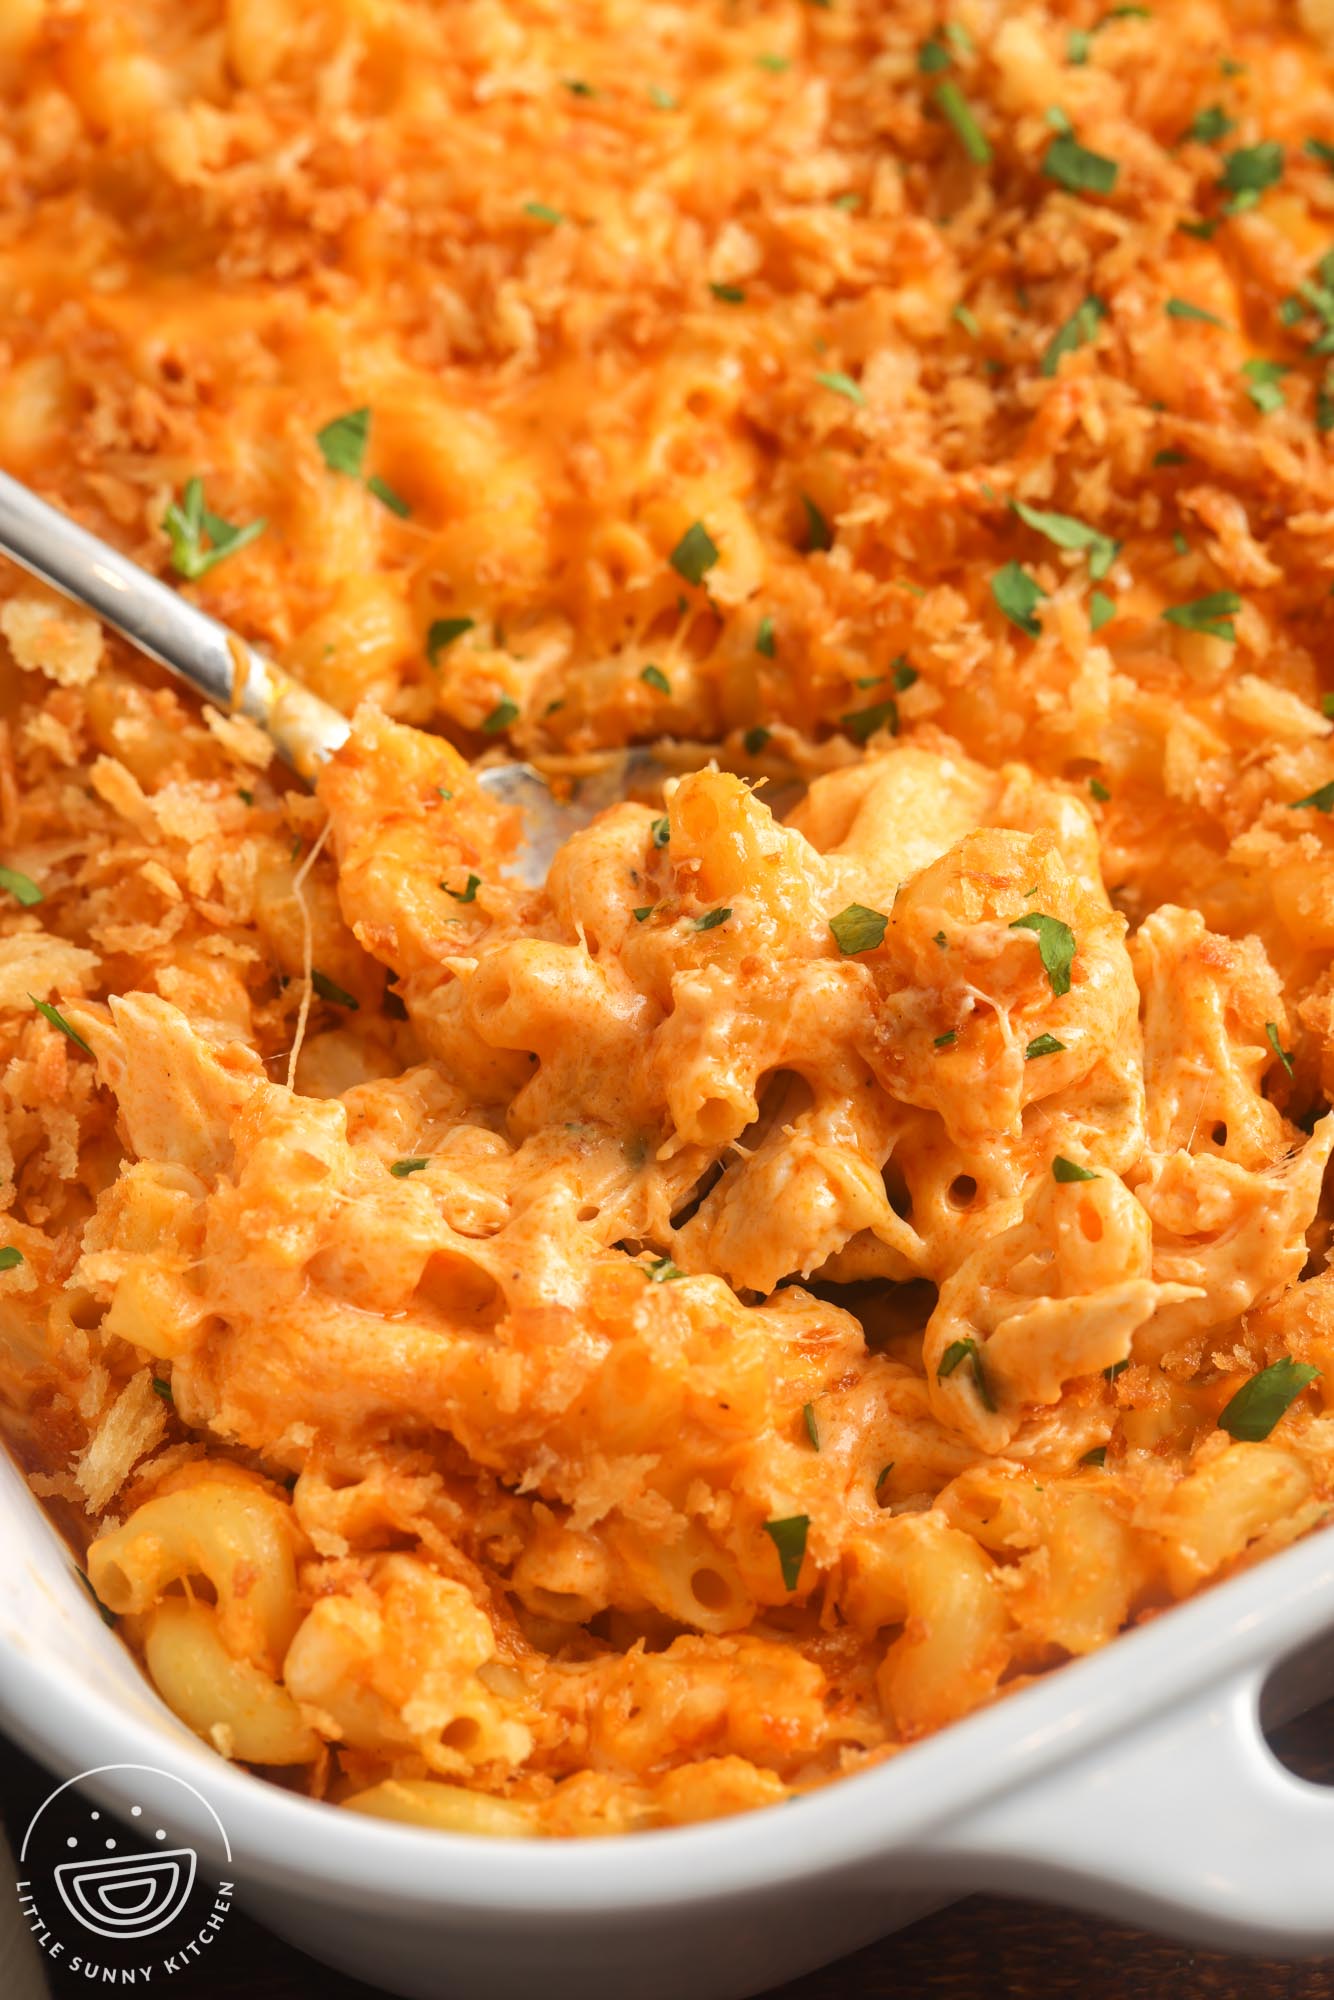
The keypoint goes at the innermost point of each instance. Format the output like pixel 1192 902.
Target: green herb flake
pixel 1271 1036
pixel 1077 169
pixel 1248 171
pixel 1043 1045
pixel 711 921
pixel 387 497
pixel 661 830
pixel 10 1258
pixel 654 677
pixel 1327 706
pixel 1099 791
pixel 1165 458
pixel 967 1350
pixel 1317 149
pixel 1264 384
pixel 502 715
pixel 946 1041
pixel 754 740
pixel 1058 120
pixel 1102 610
pixel 819 534
pixel 695 554
pixel 644 912
pixel 1322 798
pixel 959 37
pixel 858 929
pixel 343 441
pixel 884 1473
pixel 328 989
pixel 1210 125
pixel 1070 1170
pixel 443 632
pixel 730 295
pixel 662 1271
pixel 941 941
pixel 1183 309
pixel 187 522
pixel 954 107
pixel 765 641
pixel 541 211
pixel 864 722
pixel 812 1432
pixel 662 100
pixel 847 202
pixel 774 64
pixel 789 1538
pixel 1056 947
pixel 840 384
pixel 21 887
pixel 1117 1368
pixel 467 894
pixel 1018 596
pixel 57 1020
pixel 933 57
pixel 967 319
pixel 1069 533
pixel 1212 615
pixel 1257 1406
pixel 1078 45
pixel 402 1168
pixel 1098 1456
pixel 1077 331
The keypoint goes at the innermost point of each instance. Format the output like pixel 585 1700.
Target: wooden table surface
pixel 980 1949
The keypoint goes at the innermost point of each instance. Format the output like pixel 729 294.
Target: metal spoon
pixel 303 729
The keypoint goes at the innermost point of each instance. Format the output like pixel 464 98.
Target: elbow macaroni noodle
pixel 567 1360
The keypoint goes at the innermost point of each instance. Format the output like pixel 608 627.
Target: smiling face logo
pixel 142 1881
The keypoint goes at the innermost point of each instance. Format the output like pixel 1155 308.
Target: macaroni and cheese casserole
pixel 573 1359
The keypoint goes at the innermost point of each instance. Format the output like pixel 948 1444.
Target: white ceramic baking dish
pixel 1136 1783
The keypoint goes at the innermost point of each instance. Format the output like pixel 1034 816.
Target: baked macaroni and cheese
pixel 573 1359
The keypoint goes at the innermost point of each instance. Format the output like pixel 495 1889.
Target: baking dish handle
pixel 1189 1824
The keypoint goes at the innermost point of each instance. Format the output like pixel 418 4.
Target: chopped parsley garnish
pixel 662 1270
pixel 764 638
pixel 711 921
pixel 941 940
pixel 10 1258
pixel 1056 947
pixel 884 1473
pixel 1210 125
pixel 902 674
pixel 1078 329
pixel 57 1020
pixel 186 525
pixel 443 632
pixel 1212 615
pixel 695 553
pixel 967 319
pixel 731 295
pixel 343 441
pixel 1098 1456
pixel 1319 150
pixel 1248 171
pixel 21 887
pixel 1043 1045
pixel 661 830
pixel 654 677
pixel 502 715
pixel 1271 1035
pixel 954 106
pixel 1169 458
pixel 1322 798
pixel 1099 791
pixel 1327 706
pixel 1058 119
pixel 1070 1170
pixel 1018 596
pixel 1263 384
pixel 1069 533
pixel 465 895
pixel 774 64
pixel 819 534
pixel 1078 44
pixel 246 797
pixel 864 722
pixel 329 989
pixel 789 1538
pixel 1102 610
pixel 858 929
pixel 808 1412
pixel 967 1350
pixel 402 1168
pixel 1203 231
pixel 933 57
pixel 1257 1406
pixel 754 740
pixel 1183 309
pixel 841 385
pixel 1077 169
pixel 163 1389
pixel 660 99
pixel 947 1040
pixel 542 211
pixel 644 912
pixel 578 88
pixel 387 497
pixel 1117 1368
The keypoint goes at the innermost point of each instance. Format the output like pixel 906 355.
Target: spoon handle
pixel 304 729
